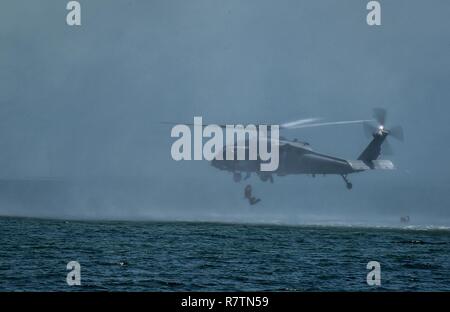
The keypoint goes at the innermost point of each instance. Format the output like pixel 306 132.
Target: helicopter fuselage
pixel 298 158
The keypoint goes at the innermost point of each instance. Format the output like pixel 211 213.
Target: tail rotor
pixel 380 130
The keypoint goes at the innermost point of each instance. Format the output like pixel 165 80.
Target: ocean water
pixel 181 256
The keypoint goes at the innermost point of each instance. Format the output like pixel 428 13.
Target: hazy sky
pixel 85 103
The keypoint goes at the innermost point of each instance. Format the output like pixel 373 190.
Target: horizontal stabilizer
pixel 383 164
pixel 359 165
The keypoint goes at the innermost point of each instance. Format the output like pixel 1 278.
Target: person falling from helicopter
pixel 248 194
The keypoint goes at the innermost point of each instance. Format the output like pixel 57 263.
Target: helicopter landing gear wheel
pixel 348 184
pixel 237 177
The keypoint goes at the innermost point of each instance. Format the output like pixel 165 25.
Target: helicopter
pixel 296 157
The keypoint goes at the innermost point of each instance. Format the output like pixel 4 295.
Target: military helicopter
pixel 296 157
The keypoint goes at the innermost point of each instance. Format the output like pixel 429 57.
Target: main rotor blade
pixel 298 122
pixel 380 115
pixel 331 123
pixel 397 132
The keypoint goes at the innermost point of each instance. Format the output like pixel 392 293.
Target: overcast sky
pixel 86 103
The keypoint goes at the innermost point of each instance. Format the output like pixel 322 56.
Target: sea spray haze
pixel 81 108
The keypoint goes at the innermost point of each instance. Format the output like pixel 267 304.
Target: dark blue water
pixel 175 256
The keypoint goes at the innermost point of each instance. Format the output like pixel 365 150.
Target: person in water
pixel 248 194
